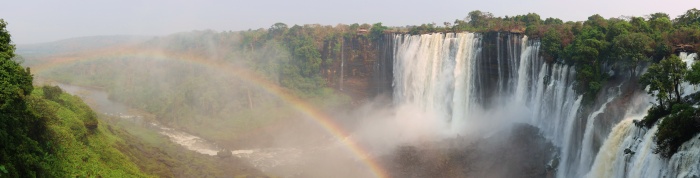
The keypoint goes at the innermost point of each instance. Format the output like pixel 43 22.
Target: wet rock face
pixel 518 152
pixel 500 53
pixel 497 61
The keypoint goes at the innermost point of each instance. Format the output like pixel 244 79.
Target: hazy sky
pixel 36 21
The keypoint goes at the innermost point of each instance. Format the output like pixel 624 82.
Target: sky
pixel 38 21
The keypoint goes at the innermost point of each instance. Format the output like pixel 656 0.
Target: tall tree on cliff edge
pixel 22 134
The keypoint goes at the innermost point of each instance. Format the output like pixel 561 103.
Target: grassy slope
pixel 121 149
pixel 83 152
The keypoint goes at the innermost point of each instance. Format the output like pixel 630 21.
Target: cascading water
pixel 628 151
pixel 475 81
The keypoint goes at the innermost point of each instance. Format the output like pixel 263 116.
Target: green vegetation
pixel 677 128
pixel 26 149
pixel 81 145
pixel 681 121
pixel 45 132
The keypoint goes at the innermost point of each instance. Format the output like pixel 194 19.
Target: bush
pixel 676 129
pixel 90 121
pixel 654 114
pixel 52 93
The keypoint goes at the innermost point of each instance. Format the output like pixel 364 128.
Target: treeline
pixel 304 58
pixel 315 52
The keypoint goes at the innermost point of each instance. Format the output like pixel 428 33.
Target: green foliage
pixel 22 134
pixel 677 129
pixel 693 76
pixel 633 49
pixel 682 121
pixel 478 19
pixel 659 22
pixel 690 18
pixel 664 80
pixel 654 113
pixel 377 31
pixel 80 149
pixel 52 93
pixel 551 44
pixel 6 47
pixel 553 21
pixel 640 25
pixel 423 29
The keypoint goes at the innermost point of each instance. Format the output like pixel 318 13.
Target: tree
pixel 676 129
pixel 377 31
pixel 693 76
pixel 478 19
pixel 618 28
pixel 6 47
pixel 530 19
pixel 640 25
pixel 633 49
pixel 551 43
pixel 278 29
pixel 21 132
pixel 585 53
pixel 658 15
pixel 598 22
pixel 553 21
pixel 660 22
pixel 664 80
pixel 691 17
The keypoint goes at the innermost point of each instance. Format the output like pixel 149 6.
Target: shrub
pixel 676 129
pixel 654 114
pixel 52 93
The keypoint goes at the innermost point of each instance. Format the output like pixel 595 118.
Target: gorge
pixel 484 97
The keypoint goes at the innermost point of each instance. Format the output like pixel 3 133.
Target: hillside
pixel 46 132
pixel 87 146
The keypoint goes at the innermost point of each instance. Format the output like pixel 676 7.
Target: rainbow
pixel 323 119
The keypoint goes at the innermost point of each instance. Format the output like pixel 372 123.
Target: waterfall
pixel 587 155
pixel 476 82
pixel 628 150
